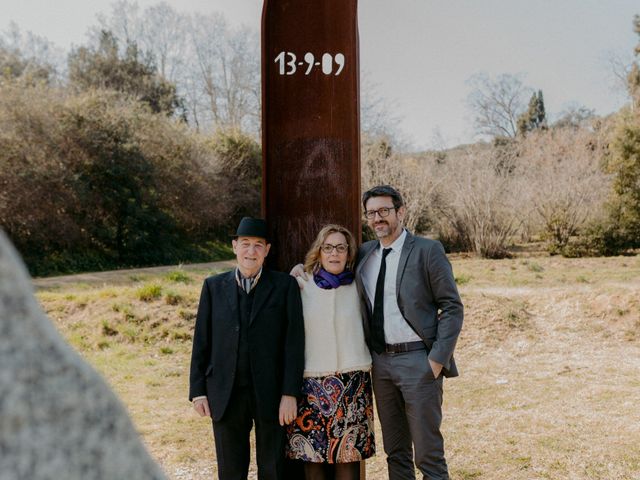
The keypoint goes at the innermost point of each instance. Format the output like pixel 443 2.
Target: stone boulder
pixel 58 418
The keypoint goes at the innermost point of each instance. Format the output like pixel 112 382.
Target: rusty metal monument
pixel 310 127
pixel 310 122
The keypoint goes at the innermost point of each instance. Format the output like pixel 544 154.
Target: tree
pixel 159 30
pixel 27 56
pixel 131 74
pixel 13 66
pixel 413 177
pixel 535 117
pixel 633 79
pixel 215 67
pixel 563 182
pixel 624 164
pixel 479 204
pixel 497 104
pixel 574 116
pixel 227 72
pixel 95 180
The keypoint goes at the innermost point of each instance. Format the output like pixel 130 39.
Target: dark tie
pixel 377 322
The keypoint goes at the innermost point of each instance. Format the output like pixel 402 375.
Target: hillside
pixel 549 359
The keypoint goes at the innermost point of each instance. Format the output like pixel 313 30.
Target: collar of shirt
pixel 397 245
pixel 254 279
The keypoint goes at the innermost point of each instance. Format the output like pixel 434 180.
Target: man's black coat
pixel 276 342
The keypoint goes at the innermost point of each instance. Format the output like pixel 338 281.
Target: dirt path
pixel 123 277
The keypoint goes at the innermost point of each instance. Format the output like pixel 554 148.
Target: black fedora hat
pixel 252 227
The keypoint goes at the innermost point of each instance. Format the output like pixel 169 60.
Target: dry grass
pixel 549 359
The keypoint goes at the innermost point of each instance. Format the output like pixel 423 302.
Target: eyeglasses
pixel 328 248
pixel 382 212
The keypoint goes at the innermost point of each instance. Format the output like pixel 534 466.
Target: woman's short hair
pixel 312 259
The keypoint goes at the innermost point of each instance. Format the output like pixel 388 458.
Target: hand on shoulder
pixel 299 274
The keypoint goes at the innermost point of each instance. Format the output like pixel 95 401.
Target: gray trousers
pixel 409 403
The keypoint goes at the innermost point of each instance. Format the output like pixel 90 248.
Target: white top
pixel 396 328
pixel 334 338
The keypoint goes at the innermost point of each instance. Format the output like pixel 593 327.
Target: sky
pixel 420 54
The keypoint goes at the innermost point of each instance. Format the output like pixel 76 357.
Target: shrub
pixel 565 187
pixel 149 292
pixel 478 204
pixel 178 276
pixel 172 298
pixel 95 181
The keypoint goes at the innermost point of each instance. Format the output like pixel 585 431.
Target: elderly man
pixel 248 357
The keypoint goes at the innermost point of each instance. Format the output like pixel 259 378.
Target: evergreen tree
pixel 535 117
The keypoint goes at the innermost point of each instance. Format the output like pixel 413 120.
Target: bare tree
pixel 497 103
pixel 619 66
pixel 160 31
pixel 215 67
pixel 413 177
pixel 39 57
pixel 479 204
pixel 574 115
pixel 227 71
pixel 164 34
pixel 564 183
pixel 376 115
pixel 124 22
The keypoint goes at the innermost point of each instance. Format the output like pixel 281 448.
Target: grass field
pixel 549 359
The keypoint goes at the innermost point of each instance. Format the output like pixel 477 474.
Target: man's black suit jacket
pixel 276 342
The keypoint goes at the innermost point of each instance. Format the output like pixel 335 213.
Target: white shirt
pixel 396 328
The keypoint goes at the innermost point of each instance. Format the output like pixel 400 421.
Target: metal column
pixel 310 122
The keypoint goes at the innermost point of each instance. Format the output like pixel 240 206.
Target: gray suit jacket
pixel 427 296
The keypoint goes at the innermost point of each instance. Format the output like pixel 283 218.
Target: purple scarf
pixel 328 280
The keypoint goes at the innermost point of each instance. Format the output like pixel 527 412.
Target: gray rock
pixel 58 418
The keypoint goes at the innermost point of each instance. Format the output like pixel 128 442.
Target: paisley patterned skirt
pixel 335 420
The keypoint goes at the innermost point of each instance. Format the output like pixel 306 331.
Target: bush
pixel 173 298
pixel 565 187
pixel 477 206
pixel 149 292
pixel 178 276
pixel 93 181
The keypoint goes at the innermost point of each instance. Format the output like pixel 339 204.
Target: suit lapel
pixel 263 290
pixel 402 263
pixel 231 291
pixel 359 282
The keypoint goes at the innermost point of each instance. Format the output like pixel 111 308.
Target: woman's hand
pixel 288 409
pixel 299 274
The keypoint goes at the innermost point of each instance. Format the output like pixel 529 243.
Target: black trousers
pixel 232 439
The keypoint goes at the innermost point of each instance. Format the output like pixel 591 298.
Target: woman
pixel 334 427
